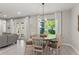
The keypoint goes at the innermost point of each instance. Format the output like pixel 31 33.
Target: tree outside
pixel 50 27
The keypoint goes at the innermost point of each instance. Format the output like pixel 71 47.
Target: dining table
pixel 48 42
pixel 46 39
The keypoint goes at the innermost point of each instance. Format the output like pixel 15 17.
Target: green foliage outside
pixel 50 26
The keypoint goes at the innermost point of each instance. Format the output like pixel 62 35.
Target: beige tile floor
pixel 65 50
pixel 21 49
pixel 15 49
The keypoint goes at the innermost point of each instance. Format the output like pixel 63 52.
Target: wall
pixel 8 26
pixel 63 24
pixel 2 26
pixel 66 26
pixel 70 27
pixel 33 25
pixel 58 22
pixel 74 27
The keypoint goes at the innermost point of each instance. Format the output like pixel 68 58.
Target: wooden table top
pixel 45 39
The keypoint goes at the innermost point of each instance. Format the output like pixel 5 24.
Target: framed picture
pixel 78 22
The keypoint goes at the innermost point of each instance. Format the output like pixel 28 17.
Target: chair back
pixel 38 42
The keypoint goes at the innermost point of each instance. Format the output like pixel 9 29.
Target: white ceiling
pixel 24 9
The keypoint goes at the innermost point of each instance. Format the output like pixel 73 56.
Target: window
pixel 48 26
pixel 42 28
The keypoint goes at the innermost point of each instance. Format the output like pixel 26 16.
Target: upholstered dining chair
pixel 56 46
pixel 59 43
pixel 38 46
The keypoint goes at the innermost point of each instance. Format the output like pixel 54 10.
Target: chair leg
pixel 32 52
pixel 35 52
pixel 55 51
pixel 48 51
pixel 42 53
pixel 59 50
pixel 52 50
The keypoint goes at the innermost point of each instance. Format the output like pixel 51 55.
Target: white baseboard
pixel 72 47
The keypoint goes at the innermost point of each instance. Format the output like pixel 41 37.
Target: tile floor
pixel 65 50
pixel 15 49
pixel 19 49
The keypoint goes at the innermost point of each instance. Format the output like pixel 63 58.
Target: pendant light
pixel 42 21
pixel 43 12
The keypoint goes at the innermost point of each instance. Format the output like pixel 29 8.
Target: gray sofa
pixel 8 38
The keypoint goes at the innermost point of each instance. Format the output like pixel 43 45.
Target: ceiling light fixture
pixel 42 21
pixel 43 11
pixel 18 12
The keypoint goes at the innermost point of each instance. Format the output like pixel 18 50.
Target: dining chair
pixel 38 46
pixel 56 46
pixel 59 43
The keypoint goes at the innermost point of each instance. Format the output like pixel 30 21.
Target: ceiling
pixel 25 9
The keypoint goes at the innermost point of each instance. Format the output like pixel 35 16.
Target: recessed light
pixel 18 12
pixel 4 15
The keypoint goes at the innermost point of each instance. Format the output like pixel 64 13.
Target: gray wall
pixel 2 26
pixel 70 27
pixel 66 26
pixel 74 29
